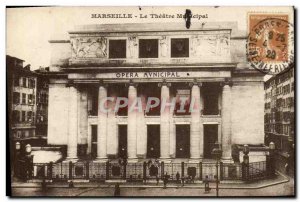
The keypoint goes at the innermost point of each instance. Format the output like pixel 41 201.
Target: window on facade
pixel 29 116
pixel 117 48
pixel 182 106
pixel 30 96
pixel 16 98
pixel 17 81
pixel 211 92
pixel 148 48
pixel 179 48
pixel 23 116
pixel 23 98
pixel 16 116
pixel 24 83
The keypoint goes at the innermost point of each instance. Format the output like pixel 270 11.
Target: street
pixel 283 189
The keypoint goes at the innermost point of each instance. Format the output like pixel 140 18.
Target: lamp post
pixel 217 153
pixel 16 157
pixel 29 161
pixel 245 165
pixel 271 161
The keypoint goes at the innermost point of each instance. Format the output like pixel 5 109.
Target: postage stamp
pixel 270 43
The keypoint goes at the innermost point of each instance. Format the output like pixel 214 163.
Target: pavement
pixel 281 185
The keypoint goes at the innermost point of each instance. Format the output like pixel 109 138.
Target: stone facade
pixel 228 93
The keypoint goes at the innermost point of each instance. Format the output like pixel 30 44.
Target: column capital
pixel 164 83
pixel 101 83
pixel 227 82
pixel 131 83
pixel 71 83
pixel 195 82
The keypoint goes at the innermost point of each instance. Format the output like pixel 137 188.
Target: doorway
pixel 122 141
pixel 183 141
pixel 153 141
pixel 210 139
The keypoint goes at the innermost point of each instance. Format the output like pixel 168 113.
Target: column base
pixel 132 160
pixel 73 159
pixel 165 159
pixel 101 159
pixel 227 160
pixel 195 160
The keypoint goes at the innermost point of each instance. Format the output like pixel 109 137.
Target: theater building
pixel 206 63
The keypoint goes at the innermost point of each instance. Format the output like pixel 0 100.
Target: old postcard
pixel 150 101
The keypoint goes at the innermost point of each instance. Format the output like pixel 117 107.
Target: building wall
pixel 247 113
pixel 58 113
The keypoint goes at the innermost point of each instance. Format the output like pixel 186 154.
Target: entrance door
pixel 94 141
pixel 182 141
pixel 123 141
pixel 210 138
pixel 153 141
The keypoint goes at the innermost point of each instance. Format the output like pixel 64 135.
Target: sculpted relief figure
pixel 91 47
pixel 163 46
pixel 133 46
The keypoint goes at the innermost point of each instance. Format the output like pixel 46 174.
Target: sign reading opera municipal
pixel 203 67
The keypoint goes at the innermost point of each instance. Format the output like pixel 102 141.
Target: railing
pixel 142 171
pixel 257 170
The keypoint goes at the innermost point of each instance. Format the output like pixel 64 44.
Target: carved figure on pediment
pixel 132 46
pixel 101 50
pixel 79 48
pixel 163 46
pixel 91 47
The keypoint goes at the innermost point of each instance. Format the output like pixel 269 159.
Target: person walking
pixel 117 190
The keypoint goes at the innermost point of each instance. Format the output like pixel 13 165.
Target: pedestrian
pixel 177 177
pixel 44 185
pixel 166 180
pixel 157 179
pixel 117 190
pixel 182 180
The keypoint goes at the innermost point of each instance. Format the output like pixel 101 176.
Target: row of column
pixel 196 133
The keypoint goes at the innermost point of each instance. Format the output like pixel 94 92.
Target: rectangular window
pixel 148 48
pixel 23 116
pixel 182 102
pixel 16 98
pixel 17 81
pixel 179 48
pixel 29 116
pixel 30 99
pixel 16 116
pixel 24 83
pixel 117 48
pixel 23 98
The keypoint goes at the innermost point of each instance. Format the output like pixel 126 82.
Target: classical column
pixel 164 121
pixel 131 125
pixel 196 137
pixel 72 123
pixel 226 122
pixel 102 121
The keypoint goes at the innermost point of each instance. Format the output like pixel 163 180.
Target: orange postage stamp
pixel 270 44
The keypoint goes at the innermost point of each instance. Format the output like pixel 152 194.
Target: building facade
pixel 21 88
pixel 206 64
pixel 42 102
pixel 280 116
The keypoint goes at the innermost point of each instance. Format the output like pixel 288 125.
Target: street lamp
pixel 28 149
pixel 217 154
pixel 18 146
pixel 16 157
pixel 29 161
pixel 245 165
pixel 271 159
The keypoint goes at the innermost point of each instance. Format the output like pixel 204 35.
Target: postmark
pixel 270 43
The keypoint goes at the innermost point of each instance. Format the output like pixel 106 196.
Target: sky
pixel 30 29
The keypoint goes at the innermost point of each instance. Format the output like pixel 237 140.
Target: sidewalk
pixel 279 179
